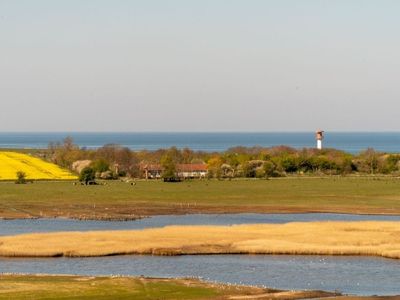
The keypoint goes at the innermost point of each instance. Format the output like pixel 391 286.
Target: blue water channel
pixel 18 226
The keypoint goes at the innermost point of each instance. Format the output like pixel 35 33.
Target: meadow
pixel 81 287
pixel 369 238
pixel 34 168
pixel 120 200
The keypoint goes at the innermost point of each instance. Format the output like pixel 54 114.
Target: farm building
pixel 150 171
pixel 192 170
pixel 185 171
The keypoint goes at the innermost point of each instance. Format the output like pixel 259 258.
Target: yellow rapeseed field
pixel 35 168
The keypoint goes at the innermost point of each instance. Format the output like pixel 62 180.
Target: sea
pixel 352 142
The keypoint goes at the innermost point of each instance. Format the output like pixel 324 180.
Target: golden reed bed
pixel 330 238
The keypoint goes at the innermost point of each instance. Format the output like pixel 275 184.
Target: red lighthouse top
pixel 319 135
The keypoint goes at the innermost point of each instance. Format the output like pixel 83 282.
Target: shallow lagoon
pixel 353 275
pixel 18 226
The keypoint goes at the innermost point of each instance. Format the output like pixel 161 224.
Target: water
pixel 350 141
pixel 19 226
pixel 352 275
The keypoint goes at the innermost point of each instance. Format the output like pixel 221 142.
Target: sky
pixel 209 65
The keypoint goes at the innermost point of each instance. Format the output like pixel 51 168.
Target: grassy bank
pixel 78 287
pixel 319 238
pixel 118 200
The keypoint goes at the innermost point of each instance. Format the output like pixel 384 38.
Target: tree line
pixel 251 162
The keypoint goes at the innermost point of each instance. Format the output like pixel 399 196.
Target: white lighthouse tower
pixel 319 136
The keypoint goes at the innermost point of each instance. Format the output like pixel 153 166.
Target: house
pixel 150 171
pixel 192 170
pixel 184 171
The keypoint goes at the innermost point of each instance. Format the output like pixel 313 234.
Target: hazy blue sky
pixel 206 65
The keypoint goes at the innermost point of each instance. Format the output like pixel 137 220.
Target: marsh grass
pixel 308 238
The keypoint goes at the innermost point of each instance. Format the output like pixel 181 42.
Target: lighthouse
pixel 319 136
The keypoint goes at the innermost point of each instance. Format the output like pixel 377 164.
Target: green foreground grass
pixel 73 287
pixel 119 200
pixel 100 288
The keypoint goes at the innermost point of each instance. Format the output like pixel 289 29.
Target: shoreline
pixel 200 212
pixel 189 288
pixel 215 210
pixel 50 283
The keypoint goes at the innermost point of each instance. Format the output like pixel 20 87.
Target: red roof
pixel 191 167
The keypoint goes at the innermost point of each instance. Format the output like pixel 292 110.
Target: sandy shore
pixel 319 238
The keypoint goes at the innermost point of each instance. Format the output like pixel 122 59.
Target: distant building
pixel 319 136
pixel 150 171
pixel 192 170
pixel 184 171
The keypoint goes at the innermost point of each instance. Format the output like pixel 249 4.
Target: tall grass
pixel 322 238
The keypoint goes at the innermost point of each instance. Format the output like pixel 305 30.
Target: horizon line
pixel 200 132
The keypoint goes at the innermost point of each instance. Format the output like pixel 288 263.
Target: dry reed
pixel 323 238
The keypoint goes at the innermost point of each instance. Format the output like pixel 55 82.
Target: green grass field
pixel 43 287
pixel 74 287
pixel 121 200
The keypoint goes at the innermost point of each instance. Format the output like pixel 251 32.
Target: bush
pixel 289 164
pixel 100 166
pixel 248 170
pixel 260 172
pixel 210 174
pixel 390 164
pixel 87 175
pixel 21 177
pixel 270 169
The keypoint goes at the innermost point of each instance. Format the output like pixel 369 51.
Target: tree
pixel 371 159
pixel 390 163
pixel 289 164
pixel 87 175
pixel 66 153
pixel 21 177
pixel 269 169
pixel 100 166
pixel 248 170
pixel 169 168
pixel 187 155
pixel 120 160
pixel 214 166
